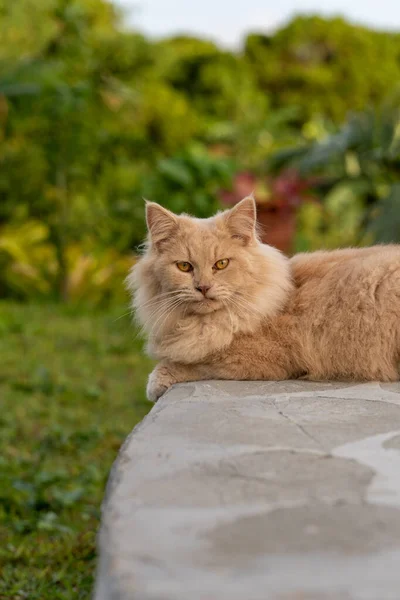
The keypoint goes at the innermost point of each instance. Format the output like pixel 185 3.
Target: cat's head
pixel 195 267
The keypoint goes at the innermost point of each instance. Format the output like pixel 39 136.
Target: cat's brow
pixel 210 255
pixel 189 254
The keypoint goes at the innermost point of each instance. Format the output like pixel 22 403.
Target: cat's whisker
pixel 159 297
pixel 151 302
pixel 163 306
pixel 130 312
pixel 229 315
pixel 185 310
pixel 161 325
pixel 164 303
pixel 247 312
pixel 247 304
pixel 154 305
pixel 158 309
pixel 166 314
pixel 250 302
pixel 247 307
pixel 239 310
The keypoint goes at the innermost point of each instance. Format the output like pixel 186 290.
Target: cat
pixel 216 303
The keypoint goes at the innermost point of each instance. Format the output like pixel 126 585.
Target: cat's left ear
pixel 160 222
pixel 241 220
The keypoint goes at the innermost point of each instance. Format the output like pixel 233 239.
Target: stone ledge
pixel 257 491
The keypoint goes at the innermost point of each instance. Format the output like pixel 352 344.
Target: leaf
pixel 69 497
pixel 385 226
pixel 19 89
pixel 287 156
pixel 176 171
pixel 43 380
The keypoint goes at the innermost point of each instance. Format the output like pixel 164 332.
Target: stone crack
pixel 299 427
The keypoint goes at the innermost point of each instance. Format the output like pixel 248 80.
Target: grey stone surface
pixel 257 491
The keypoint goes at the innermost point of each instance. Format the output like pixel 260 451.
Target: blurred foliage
pixel 325 66
pixel 358 171
pixel 190 181
pixel 94 117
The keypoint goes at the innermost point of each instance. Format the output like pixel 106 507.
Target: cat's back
pixel 345 312
pixel 350 277
pixel 316 265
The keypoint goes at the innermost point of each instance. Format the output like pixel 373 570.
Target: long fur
pixel 254 286
pixel 323 315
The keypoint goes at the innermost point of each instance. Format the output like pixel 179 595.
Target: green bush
pixel 94 117
pixel 358 171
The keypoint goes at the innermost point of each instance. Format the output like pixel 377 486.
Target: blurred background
pixel 190 105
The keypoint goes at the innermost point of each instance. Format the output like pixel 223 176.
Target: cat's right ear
pixel 160 222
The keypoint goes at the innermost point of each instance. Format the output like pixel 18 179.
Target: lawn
pixel 71 387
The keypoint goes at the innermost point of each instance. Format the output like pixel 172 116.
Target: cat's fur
pixel 324 315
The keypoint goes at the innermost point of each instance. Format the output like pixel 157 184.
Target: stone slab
pixel 257 491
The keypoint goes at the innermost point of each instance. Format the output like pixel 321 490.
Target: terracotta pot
pixel 277 226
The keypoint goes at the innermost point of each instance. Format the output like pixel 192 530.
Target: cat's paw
pixel 160 380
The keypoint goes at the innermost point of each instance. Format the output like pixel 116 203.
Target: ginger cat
pixel 216 303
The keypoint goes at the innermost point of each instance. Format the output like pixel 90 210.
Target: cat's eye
pixel 221 264
pixel 184 266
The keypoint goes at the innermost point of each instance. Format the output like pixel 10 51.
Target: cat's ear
pixel 160 222
pixel 241 220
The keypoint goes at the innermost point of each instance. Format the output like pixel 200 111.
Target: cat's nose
pixel 203 289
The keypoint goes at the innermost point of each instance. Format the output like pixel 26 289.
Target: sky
pixel 227 21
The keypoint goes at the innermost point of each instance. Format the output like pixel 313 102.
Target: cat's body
pixel 323 315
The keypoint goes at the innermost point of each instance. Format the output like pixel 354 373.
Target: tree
pixel 325 66
pixel 82 116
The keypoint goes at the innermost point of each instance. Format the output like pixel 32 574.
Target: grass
pixel 71 388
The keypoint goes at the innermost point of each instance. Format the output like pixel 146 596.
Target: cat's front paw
pixel 160 379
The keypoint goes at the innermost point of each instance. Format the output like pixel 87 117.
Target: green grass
pixel 72 386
